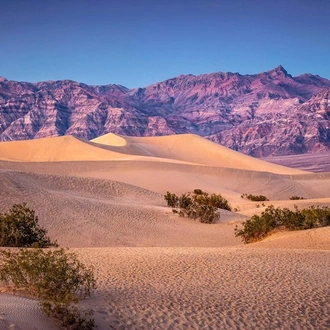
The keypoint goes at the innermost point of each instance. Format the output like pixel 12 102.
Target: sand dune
pixel 99 212
pixel 64 148
pixel 186 148
pixel 189 148
pixel 61 149
pixel 84 212
pixel 155 270
pixel 160 177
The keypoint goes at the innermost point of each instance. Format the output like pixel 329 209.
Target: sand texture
pixel 212 288
pixel 155 270
pixel 19 313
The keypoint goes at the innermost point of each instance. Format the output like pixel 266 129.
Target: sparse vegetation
pixel 171 199
pixel 296 197
pixel 70 316
pixel 197 205
pixel 20 228
pixel 58 279
pixel 198 191
pixel 255 198
pixel 260 226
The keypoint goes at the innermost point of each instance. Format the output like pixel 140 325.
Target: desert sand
pixel 104 200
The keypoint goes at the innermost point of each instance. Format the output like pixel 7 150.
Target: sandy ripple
pixel 18 313
pixel 210 288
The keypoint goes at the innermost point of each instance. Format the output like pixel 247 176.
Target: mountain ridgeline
pixel 271 113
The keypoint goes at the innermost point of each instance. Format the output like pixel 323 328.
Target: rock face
pixel 271 113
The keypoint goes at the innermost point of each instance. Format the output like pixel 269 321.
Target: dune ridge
pixel 187 148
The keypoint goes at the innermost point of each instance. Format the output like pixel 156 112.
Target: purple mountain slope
pixel 271 113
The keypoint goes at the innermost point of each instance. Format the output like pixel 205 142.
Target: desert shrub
pixel 198 191
pixel 70 317
pixel 58 279
pixel 316 217
pixel 208 214
pixel 219 202
pixel 254 229
pixel 171 199
pixel 258 227
pixel 197 205
pixel 198 208
pixel 48 275
pixel 255 198
pixel 296 197
pixel 185 201
pixel 292 220
pixel 20 228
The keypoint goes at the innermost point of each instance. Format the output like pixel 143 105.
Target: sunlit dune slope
pixel 64 148
pixel 188 148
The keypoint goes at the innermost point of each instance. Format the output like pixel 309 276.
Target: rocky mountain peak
pixel 279 72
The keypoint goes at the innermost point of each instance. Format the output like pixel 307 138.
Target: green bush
pixel 316 217
pixel 58 279
pixel 255 198
pixel 219 202
pixel 19 228
pixel 197 205
pixel 258 227
pixel 171 199
pixel 70 316
pixel 185 201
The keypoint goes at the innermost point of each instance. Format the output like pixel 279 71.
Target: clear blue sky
pixel 139 42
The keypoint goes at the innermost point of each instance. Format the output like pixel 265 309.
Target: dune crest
pixel 185 148
pixel 63 148
pixel 190 148
pixel 111 139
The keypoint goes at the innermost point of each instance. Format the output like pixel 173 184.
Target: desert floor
pixel 319 162
pixel 104 200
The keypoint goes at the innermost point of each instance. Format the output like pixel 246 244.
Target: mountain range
pixel 266 114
